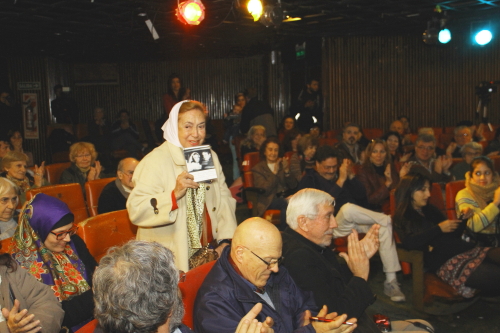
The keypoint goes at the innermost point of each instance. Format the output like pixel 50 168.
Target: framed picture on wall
pixel 30 115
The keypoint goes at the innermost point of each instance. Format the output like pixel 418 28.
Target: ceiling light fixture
pixel 436 31
pixel 481 32
pixel 255 8
pixel 190 12
pixel 273 15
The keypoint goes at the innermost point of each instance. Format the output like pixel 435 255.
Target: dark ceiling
pixel 112 30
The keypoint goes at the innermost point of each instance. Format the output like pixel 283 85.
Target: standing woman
pixel 423 227
pixel 272 174
pixel 176 92
pixel 378 175
pixel 47 246
pixel 479 202
pixel 16 143
pixel 167 205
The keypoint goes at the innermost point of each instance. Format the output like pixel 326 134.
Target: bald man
pixel 114 195
pixel 248 273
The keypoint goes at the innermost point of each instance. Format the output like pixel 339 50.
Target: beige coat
pixel 35 296
pixel 155 177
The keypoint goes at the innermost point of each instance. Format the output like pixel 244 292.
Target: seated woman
pixel 478 202
pixel 304 158
pixel 469 151
pixel 82 156
pixel 14 168
pixel 287 124
pixel 255 137
pixel 272 174
pixel 9 197
pixel 291 140
pixel 379 176
pixel 395 145
pixel 422 227
pixel 16 144
pixel 48 247
pixel 18 291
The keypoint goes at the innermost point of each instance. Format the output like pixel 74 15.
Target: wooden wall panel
pixel 372 80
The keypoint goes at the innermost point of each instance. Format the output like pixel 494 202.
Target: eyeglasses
pixel 479 173
pixel 463 134
pixel 426 148
pixel 81 156
pixel 61 235
pixel 270 265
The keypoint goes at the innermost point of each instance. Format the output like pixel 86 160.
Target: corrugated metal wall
pixel 142 85
pixel 372 80
pixel 278 87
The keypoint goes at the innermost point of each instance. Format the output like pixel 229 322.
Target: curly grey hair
pixel 135 289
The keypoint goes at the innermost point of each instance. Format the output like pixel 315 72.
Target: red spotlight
pixel 190 12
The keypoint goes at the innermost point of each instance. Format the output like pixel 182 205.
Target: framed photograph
pixel 30 115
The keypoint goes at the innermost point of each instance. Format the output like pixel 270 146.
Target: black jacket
pixel 111 199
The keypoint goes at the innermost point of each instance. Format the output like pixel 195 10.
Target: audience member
pixel 493 147
pixel 176 92
pixel 430 131
pixel 16 144
pixel 9 113
pixel 272 174
pixel 64 107
pixel 423 227
pixel 100 135
pixel 14 168
pixel 310 106
pixel 47 246
pixel 406 124
pixel 27 305
pixel 287 124
pixel 462 135
pixel 255 137
pixel 115 194
pixel 145 272
pixel 248 272
pixel 168 205
pixel 351 210
pixel 4 146
pixel 469 151
pixel 291 140
pixel 424 161
pixel 315 131
pixel 395 146
pixel 397 126
pixel 478 202
pixel 9 198
pixel 379 175
pixel 232 124
pixel 82 156
pixel 343 288
pixel 350 137
pixel 125 135
pixel 304 158
pixel 257 112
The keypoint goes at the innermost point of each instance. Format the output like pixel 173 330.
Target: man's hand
pixel 451 148
pixel 334 326
pixel 356 260
pixel 343 172
pixel 248 324
pixel 20 321
pixel 371 242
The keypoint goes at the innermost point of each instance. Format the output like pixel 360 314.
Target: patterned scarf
pixel 23 184
pixel 63 272
pixel 195 207
pixel 482 194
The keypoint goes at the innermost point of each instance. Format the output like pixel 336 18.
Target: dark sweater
pixel 317 269
pixel 352 191
pixel 111 199
pixel 444 245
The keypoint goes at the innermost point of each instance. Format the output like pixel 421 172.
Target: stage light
pixel 444 36
pixel 255 8
pixel 272 16
pixel 190 12
pixel 483 37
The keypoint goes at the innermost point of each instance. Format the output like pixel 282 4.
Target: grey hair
pixel 459 128
pixel 305 202
pixel 473 145
pixel 135 288
pixel 6 185
pixel 425 138
pixel 426 130
pixel 253 129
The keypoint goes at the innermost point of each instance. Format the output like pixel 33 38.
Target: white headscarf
pixel 171 126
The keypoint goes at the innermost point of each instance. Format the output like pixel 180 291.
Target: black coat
pixel 111 199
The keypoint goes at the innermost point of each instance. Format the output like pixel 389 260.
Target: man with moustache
pixel 350 145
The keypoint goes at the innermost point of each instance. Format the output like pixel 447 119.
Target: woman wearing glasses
pixel 478 203
pixel 47 246
pixel 82 156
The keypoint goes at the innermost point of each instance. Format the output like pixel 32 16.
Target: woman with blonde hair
pixel 14 166
pixel 82 156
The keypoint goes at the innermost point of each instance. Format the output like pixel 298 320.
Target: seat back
pixel 106 230
pixel 189 285
pixel 372 133
pixel 93 191
pixel 89 327
pixel 452 189
pixel 289 154
pixel 71 194
pixel 327 141
pixel 54 171
pixel 250 160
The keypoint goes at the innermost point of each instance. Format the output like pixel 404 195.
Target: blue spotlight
pixel 444 36
pixel 483 37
